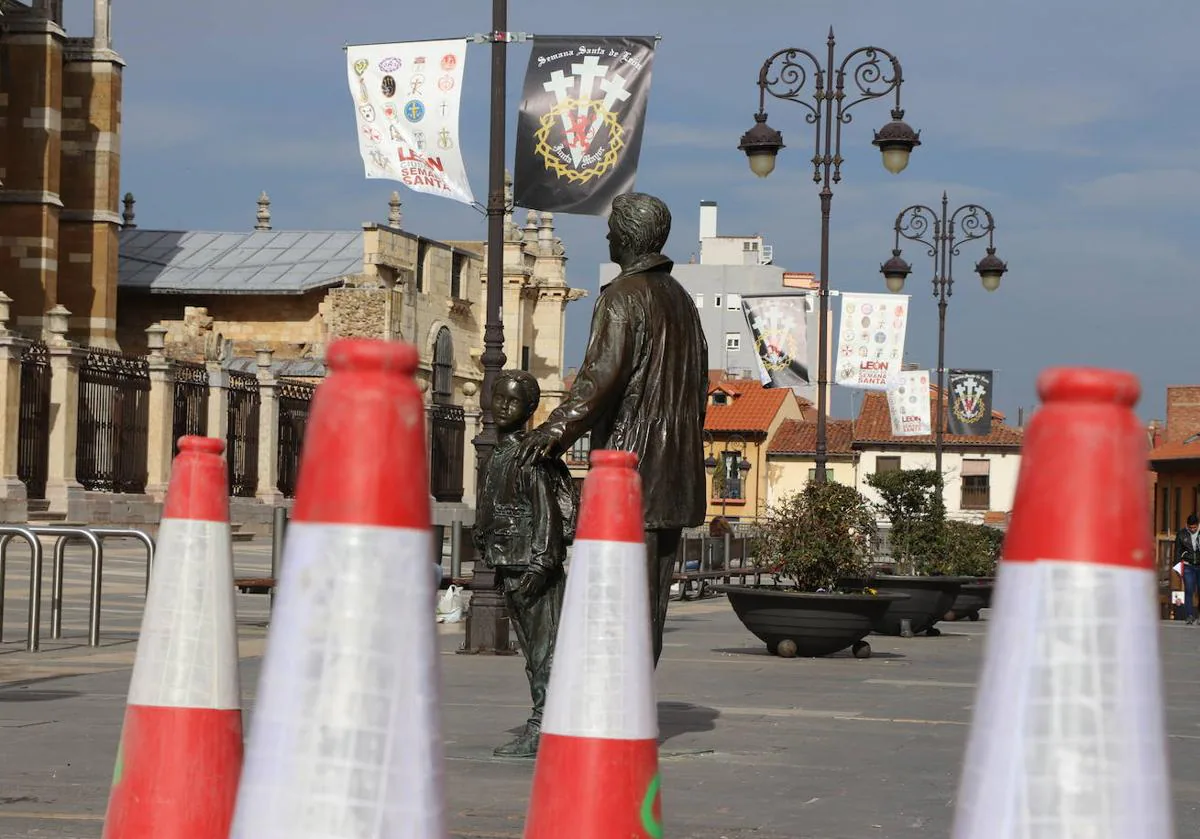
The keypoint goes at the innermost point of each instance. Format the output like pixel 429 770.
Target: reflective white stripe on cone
pixel 1059 745
pixel 342 738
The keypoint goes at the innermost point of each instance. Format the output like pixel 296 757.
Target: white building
pixel 722 270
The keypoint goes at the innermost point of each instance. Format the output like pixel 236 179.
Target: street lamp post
pixel 865 73
pixel 946 234
pixel 743 466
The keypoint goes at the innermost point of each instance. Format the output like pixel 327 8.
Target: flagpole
pixel 487 624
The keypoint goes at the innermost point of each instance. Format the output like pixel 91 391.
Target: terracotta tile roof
pixel 1176 451
pixel 800 437
pixel 874 425
pixel 751 406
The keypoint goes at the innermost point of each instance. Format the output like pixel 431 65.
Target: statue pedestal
pixel 487 617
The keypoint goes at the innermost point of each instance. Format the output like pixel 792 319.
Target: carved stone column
pixel 63 491
pixel 160 442
pixel 268 430
pixel 218 401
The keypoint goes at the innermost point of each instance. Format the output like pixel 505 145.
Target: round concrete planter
pixel 929 598
pixel 972 597
pixel 815 624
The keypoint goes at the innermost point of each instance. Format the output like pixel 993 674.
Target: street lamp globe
pixel 761 144
pixel 990 269
pixel 710 464
pixel 896 140
pixel 895 271
pixel 744 466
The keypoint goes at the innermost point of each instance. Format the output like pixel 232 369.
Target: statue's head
pixel 515 396
pixel 638 225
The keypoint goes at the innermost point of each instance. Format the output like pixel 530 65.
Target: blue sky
pixel 1071 126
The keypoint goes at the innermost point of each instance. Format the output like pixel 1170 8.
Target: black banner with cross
pixel 969 395
pixel 579 131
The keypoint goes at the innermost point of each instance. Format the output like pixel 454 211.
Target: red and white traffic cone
pixel 345 739
pixel 1068 736
pixel 596 775
pixel 181 746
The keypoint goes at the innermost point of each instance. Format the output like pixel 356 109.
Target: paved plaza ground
pixel 752 746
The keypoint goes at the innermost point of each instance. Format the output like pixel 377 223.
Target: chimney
pixel 395 214
pixel 708 219
pixel 1020 417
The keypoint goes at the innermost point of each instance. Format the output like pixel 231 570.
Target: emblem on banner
pixel 566 139
pixel 970 398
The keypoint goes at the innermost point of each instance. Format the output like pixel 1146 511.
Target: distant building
pixel 223 295
pixel 60 140
pixel 729 268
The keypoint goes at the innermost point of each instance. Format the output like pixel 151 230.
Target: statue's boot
pixel 525 745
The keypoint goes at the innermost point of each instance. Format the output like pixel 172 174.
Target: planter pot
pixel 972 597
pixel 929 599
pixel 794 623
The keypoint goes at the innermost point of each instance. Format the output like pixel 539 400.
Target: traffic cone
pixel 181 745
pixel 596 775
pixel 345 738
pixel 1068 736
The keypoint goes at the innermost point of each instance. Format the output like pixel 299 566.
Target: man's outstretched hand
pixel 532 583
pixel 538 444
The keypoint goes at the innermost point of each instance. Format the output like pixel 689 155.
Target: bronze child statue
pixel 524 522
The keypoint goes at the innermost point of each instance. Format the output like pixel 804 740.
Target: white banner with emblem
pixel 871 340
pixel 406 100
pixel 908 404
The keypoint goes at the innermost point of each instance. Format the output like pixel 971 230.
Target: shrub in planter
pixel 967 550
pixel 911 499
pixel 816 537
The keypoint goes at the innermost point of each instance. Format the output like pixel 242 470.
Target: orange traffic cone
pixel 181 745
pixel 345 738
pixel 1068 737
pixel 596 775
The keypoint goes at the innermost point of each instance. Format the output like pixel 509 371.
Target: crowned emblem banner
pixel 406 100
pixel 908 404
pixel 871 340
pixel 970 400
pixel 579 131
pixel 780 329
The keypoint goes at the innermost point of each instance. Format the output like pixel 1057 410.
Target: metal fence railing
pixel 114 414
pixel 295 399
pixel 190 408
pixel 241 438
pixel 33 420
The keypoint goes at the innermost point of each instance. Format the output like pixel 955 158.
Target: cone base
pixel 594 788
pixel 176 775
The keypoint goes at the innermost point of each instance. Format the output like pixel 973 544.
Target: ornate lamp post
pixel 946 234
pixel 743 466
pixel 866 73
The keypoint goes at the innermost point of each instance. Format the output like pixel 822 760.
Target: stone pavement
pixel 752 746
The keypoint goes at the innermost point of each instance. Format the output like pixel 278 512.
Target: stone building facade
pixel 224 296
pixel 60 129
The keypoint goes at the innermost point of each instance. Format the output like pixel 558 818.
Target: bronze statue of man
pixel 525 520
pixel 642 387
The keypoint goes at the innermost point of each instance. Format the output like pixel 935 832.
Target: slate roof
pixel 301 368
pixel 752 408
pixel 874 425
pixel 800 437
pixel 256 262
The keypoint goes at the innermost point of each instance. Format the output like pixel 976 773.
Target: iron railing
pixel 295 399
pixel 190 411
pixel 976 497
pixel 241 439
pixel 114 420
pixel 447 433
pixel 33 423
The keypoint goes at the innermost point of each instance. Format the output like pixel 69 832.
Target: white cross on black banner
pixel 969 399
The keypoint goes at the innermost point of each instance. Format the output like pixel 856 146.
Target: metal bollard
pixel 279 521
pixel 456 550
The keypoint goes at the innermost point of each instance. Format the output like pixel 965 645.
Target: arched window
pixel 443 366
